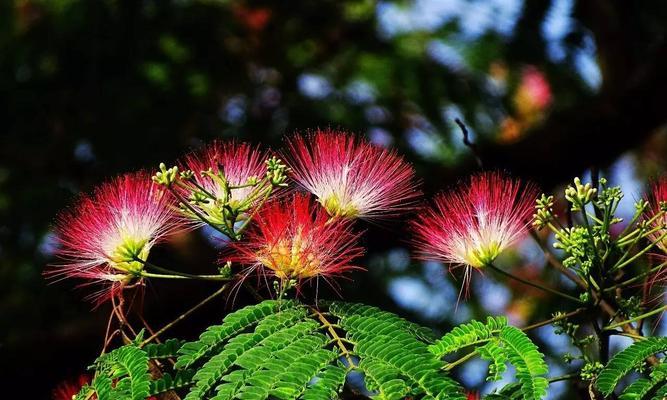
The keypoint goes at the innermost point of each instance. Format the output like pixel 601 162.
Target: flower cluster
pixel 295 237
pixel 239 190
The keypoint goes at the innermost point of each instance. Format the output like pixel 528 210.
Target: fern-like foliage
pixel 288 350
pixel 468 334
pixel 633 358
pixel 500 344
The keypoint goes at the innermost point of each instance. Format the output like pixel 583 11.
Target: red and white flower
pixel 296 240
pixel 657 201
pixel 472 224
pixel 237 162
pixel 105 237
pixel 351 177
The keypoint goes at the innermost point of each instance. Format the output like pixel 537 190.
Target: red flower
pixel 657 201
pixel 68 389
pixel 472 395
pixel 472 224
pixel 351 177
pixel 105 233
pixel 293 240
pixel 237 162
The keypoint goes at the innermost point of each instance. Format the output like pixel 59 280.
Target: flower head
pixel 656 212
pixel 295 240
pixel 350 177
pixel 472 395
pixel 107 235
pixel 68 389
pixel 475 222
pixel 227 164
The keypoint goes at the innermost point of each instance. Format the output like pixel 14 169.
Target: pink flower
pixel 472 395
pixel 239 163
pixel 294 240
pixel 66 390
pixel 472 224
pixel 104 235
pixel 351 177
pixel 657 201
pixel 534 89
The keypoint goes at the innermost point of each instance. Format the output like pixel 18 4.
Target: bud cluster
pixel 222 185
pixel 579 195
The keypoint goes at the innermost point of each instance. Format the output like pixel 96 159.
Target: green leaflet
pixel 422 333
pixel 391 340
pixel 629 359
pixel 168 349
pixel 326 384
pixel 232 324
pixel 528 361
pixel 135 363
pixel 500 344
pixel 493 351
pixel 472 333
pixel 102 387
pixel 166 383
pixel 384 379
pixel 268 329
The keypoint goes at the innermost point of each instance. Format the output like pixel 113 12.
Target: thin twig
pixel 184 315
pixel 466 141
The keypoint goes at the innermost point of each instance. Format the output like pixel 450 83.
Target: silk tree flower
pixel 105 237
pixel 656 212
pixel 295 240
pixel 239 164
pixel 350 177
pixel 473 223
pixel 66 390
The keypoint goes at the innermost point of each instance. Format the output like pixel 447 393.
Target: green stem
pixel 171 274
pixel 564 377
pixel 624 237
pixel 461 360
pixel 162 276
pixel 639 254
pixel 335 337
pixel 635 238
pixel 636 278
pixel 198 214
pixel 637 318
pixel 252 215
pixel 553 260
pixel 554 319
pixel 535 285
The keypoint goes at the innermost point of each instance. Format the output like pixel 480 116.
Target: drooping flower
pixel 657 212
pixel 351 177
pixel 239 164
pixel 105 237
pixel 295 240
pixel 473 223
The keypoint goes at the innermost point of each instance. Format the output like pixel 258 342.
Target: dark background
pixel 90 89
